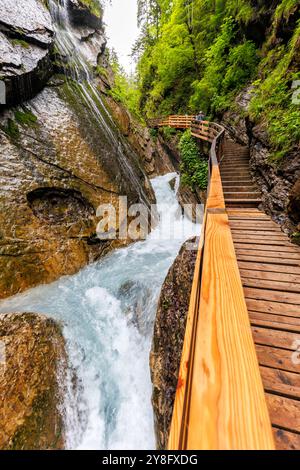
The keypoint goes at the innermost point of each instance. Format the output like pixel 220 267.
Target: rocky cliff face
pixel 26 42
pixel 278 181
pixel 60 158
pixel 168 339
pixel 32 359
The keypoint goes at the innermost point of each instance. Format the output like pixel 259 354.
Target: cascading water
pixel 107 312
pixel 79 68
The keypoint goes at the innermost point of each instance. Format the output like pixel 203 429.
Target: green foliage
pixel 199 54
pixel 168 132
pixel 11 129
pixel 273 102
pixel 125 89
pixel 194 167
pixel 20 42
pixel 25 117
pixel 94 6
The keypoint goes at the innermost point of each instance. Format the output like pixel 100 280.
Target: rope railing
pixel 220 401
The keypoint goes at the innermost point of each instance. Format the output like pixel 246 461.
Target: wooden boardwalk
pixel 220 402
pixel 270 271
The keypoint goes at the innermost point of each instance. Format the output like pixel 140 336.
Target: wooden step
pixel 241 182
pixel 242 195
pixel 243 202
pixel 244 188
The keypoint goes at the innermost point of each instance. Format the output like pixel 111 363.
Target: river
pixel 107 312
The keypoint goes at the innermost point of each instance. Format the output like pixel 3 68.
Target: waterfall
pixel 107 312
pixel 80 70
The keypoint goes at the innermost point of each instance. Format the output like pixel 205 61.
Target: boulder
pixel 26 40
pixel 169 330
pixel 32 364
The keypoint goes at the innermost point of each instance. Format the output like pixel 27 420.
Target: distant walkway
pixel 243 326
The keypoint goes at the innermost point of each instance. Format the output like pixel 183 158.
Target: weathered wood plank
pixel 272 285
pixel 272 276
pixel 272 295
pixel 276 308
pixel 244 256
pixel 269 254
pixel 282 382
pixel 276 322
pixel 269 268
pixel 277 358
pixel 284 412
pixel 278 339
pixel 286 440
pixel 270 247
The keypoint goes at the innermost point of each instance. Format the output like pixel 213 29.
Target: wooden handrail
pixel 220 401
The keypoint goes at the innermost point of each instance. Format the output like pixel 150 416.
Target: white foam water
pixel 107 312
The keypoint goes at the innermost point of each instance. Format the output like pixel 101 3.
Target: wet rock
pixel 58 165
pixel 154 155
pixel 32 364
pixel 168 339
pixel 85 13
pixel 192 202
pixel 136 300
pixel 26 39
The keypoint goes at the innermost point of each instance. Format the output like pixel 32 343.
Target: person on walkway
pixel 200 117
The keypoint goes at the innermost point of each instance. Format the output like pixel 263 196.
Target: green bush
pixel 194 166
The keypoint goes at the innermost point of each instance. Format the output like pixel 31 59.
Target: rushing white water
pixel 107 312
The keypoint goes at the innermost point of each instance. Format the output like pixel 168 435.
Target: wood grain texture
pixel 227 395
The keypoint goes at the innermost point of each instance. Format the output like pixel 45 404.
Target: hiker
pixel 200 117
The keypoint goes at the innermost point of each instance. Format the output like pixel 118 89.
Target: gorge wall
pixel 61 153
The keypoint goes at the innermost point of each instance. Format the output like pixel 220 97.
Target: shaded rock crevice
pixel 168 336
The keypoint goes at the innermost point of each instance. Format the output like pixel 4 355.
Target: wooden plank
pixel 244 256
pixel 268 241
pixel 272 295
pixel 276 358
pixel 272 285
pixel 255 226
pixel 227 403
pixel 272 276
pixel 286 440
pixel 278 339
pixel 264 233
pixel 259 255
pixel 277 322
pixel 275 308
pixel 282 382
pixel 272 268
pixel 270 247
pixel 216 197
pixel 284 412
pixel 260 235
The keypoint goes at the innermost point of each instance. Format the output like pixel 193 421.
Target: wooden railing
pixel 220 401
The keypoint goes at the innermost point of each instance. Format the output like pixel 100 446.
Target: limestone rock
pixel 26 39
pixel 190 201
pixel 58 166
pixel 32 366
pixel 154 155
pixel 169 330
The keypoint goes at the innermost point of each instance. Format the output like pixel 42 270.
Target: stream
pixel 107 312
